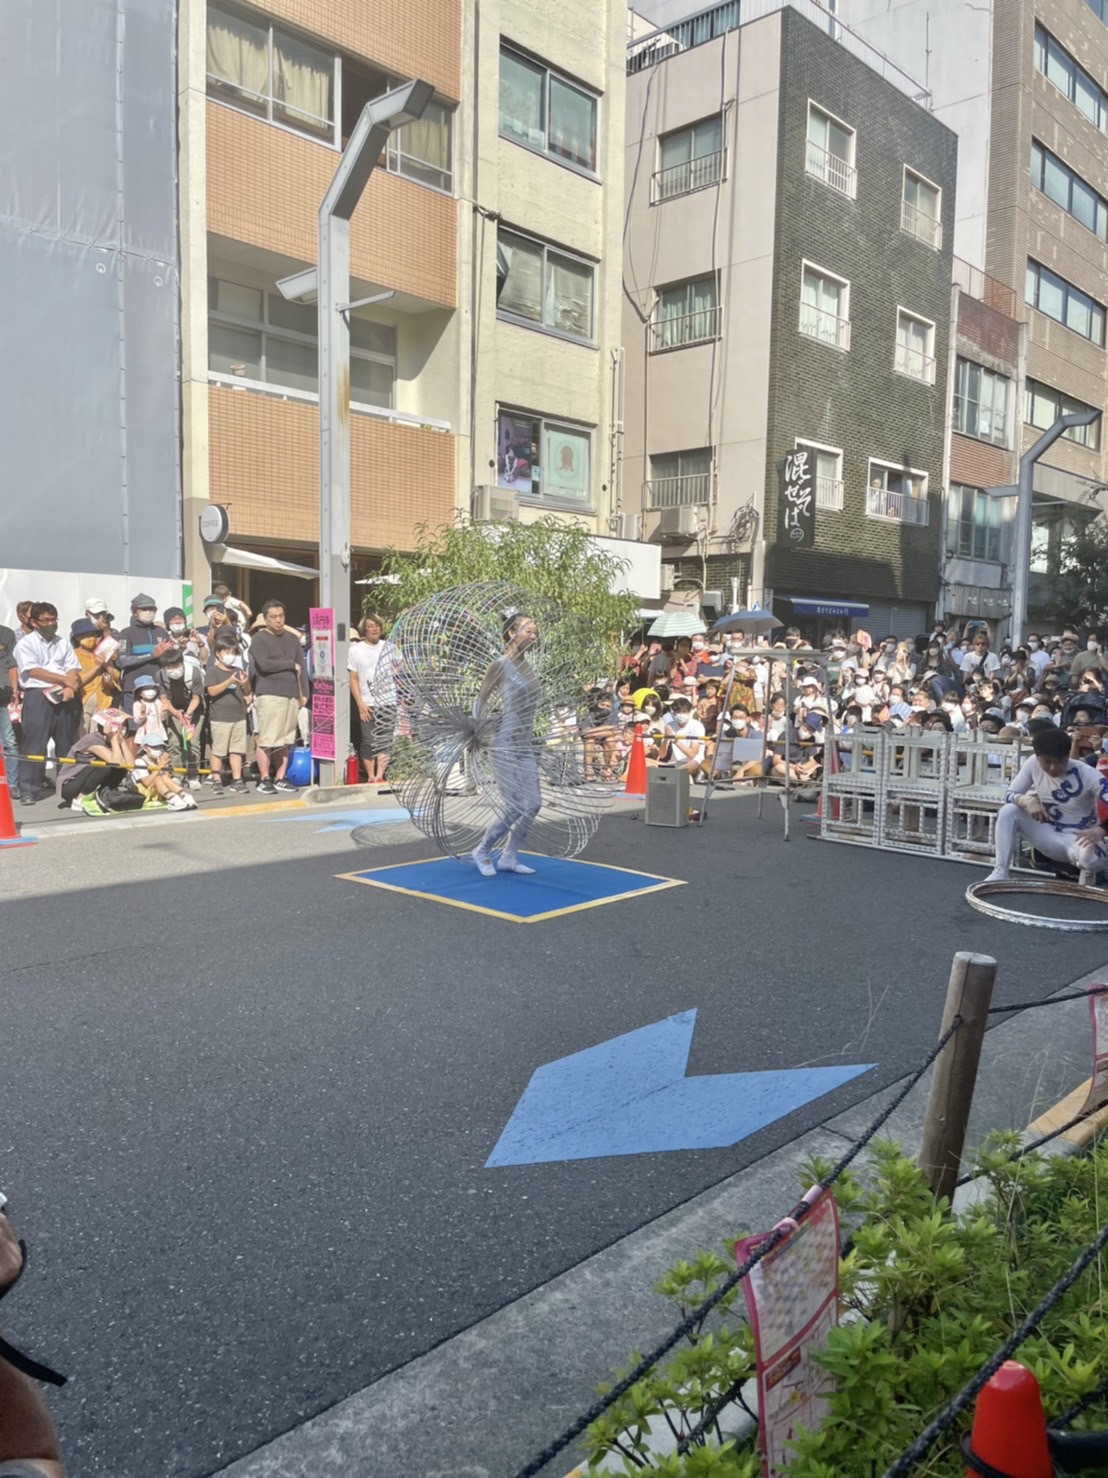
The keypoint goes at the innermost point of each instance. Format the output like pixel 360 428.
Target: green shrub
pixel 927 1298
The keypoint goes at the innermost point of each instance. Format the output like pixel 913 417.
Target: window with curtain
pixel 542 285
pixel 829 153
pixel 915 347
pixel 547 112
pixel 423 149
pixel 271 73
pixel 687 313
pixel 259 338
pixel 689 159
pixel 681 479
pixel 825 307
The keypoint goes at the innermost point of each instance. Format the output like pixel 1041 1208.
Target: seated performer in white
pixel 512 751
pixel 1053 804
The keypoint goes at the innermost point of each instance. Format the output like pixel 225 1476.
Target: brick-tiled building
pixel 788 265
pixel 485 382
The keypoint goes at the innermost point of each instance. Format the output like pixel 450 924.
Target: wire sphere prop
pixel 456 770
pixel 980 896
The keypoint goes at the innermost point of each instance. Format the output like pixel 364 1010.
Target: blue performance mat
pixel 559 886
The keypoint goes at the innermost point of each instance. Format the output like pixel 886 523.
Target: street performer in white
pixel 1053 805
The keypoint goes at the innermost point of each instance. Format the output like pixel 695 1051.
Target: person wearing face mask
pixel 142 645
pixel 1037 655
pixel 99 680
pixel 182 693
pixel 1090 657
pixel 50 677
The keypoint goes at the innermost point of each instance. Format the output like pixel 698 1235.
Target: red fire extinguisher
pixel 353 769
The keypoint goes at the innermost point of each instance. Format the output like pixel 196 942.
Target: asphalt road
pixel 247 1106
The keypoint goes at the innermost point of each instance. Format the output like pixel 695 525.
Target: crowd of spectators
pixel 673 692
pixel 142 715
pixel 133 716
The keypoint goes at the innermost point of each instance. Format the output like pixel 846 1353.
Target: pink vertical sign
pixel 793 1298
pixel 321 628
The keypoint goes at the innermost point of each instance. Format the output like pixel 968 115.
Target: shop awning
pixel 247 559
pixel 807 605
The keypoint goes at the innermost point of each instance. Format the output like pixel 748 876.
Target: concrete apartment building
pixel 1025 83
pixel 485 382
pixel 787 281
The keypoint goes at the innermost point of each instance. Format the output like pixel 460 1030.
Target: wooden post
pixel 948 1108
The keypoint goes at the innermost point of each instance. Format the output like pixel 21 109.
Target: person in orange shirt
pixel 99 680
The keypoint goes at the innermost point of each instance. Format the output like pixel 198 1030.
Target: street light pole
pixel 1023 492
pixel 332 283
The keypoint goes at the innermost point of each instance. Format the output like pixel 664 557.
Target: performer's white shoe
pixel 509 863
pixel 998 875
pixel 484 863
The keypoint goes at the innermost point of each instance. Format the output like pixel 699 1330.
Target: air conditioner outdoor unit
pixel 668 574
pixel 678 523
pixel 494 504
pixel 712 600
pixel 628 526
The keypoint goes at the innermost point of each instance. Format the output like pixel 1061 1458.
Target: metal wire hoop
pixel 978 896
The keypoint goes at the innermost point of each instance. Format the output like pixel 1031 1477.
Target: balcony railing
pixel 717 20
pixel 840 174
pixel 688 328
pixel 829 493
pixel 899 507
pixel 690 175
pixel 915 364
pixel 988 290
pixel 680 492
pixel 818 323
pixel 928 229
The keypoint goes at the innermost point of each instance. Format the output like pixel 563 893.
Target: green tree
pixel 554 559
pixel 1080 591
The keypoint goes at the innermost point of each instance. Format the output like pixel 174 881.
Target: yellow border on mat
pixel 658 886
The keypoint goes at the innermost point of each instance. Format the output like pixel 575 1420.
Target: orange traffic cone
pixel 9 834
pixel 1009 1429
pixel 636 766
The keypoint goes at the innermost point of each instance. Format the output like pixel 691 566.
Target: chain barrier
pixel 111 764
pixel 1077 995
pixel 700 1313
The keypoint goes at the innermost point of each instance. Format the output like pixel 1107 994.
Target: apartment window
pixel 1056 64
pixel 686 313
pixel 828 473
pixel 975 523
pixel 689 159
pixel 1060 300
pixel 825 307
pixel 268 71
pixel 543 286
pixel 981 402
pixel 256 337
pixel 1042 406
pixel 547 112
pixel 915 347
pixel 829 155
pixel 897 493
pixel 921 209
pixel 1057 181
pixel 681 479
pixel 262 69
pixel 544 458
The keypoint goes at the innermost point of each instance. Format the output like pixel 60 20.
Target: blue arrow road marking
pixel 344 820
pixel 630 1096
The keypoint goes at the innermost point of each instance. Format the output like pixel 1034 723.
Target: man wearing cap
pixel 50 677
pixel 96 611
pixel 142 645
